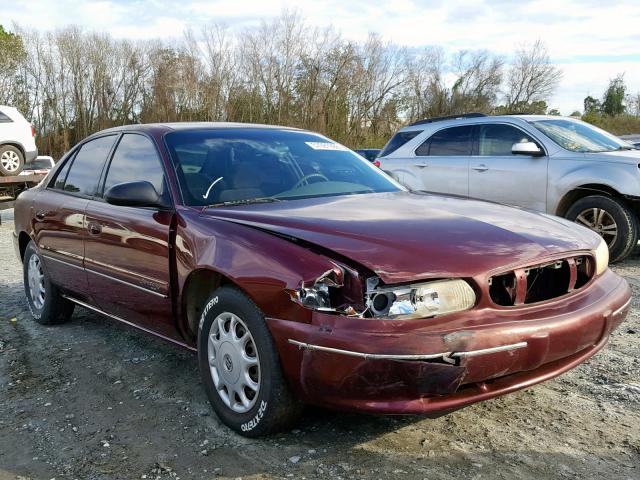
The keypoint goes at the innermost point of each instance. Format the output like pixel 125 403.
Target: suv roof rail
pixel 447 117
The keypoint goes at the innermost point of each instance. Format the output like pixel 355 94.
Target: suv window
pixel 454 141
pixel 398 140
pixel 4 118
pixel 497 139
pixel 87 165
pixel 134 160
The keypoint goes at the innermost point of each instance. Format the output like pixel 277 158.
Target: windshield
pixel 247 165
pixel 577 136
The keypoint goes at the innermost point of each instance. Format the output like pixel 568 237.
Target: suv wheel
pixel 11 160
pixel 240 367
pixel 611 219
pixel 46 304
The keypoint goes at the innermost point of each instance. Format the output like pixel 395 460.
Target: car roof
pixel 168 126
pixel 480 119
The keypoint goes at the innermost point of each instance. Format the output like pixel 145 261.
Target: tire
pixel 272 408
pixel 11 160
pixel 608 210
pixel 46 304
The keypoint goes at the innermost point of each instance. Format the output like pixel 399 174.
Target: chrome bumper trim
pixel 621 309
pixel 448 357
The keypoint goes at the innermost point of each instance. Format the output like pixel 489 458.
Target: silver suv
pixel 556 165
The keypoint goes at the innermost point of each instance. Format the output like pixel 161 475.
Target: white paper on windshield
pixel 326 146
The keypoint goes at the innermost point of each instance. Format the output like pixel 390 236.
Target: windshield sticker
pixel 326 146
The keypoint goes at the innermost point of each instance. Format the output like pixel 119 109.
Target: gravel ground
pixel 92 399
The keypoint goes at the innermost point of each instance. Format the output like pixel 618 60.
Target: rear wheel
pixel 11 160
pixel 611 219
pixel 46 304
pixel 240 367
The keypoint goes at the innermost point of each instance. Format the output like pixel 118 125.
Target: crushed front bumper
pixel 433 366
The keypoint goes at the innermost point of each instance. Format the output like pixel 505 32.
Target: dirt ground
pixel 92 399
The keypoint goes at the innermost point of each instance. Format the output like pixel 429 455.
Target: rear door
pixel 442 161
pixel 59 210
pixel 498 175
pixel 127 248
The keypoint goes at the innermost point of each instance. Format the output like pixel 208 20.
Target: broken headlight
pixel 420 300
pixel 317 296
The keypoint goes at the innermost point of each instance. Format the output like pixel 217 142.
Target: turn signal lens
pixel 602 257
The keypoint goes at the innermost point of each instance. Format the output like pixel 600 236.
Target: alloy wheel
pixel 35 275
pixel 233 362
pixel 10 161
pixel 601 222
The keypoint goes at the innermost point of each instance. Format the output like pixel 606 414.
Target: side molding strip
pixel 89 270
pixel 124 282
pixel 448 357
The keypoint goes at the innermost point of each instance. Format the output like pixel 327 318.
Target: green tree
pixel 12 54
pixel 613 101
pixel 591 105
pixel 554 111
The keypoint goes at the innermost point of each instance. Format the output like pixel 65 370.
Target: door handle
pixel 480 168
pixel 94 228
pixel 422 165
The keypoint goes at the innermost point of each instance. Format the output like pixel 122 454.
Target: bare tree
pixel 531 78
pixel 479 76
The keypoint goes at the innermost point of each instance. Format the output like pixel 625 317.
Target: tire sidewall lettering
pixel 214 301
pixel 253 423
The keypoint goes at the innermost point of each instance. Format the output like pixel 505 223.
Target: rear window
pixel 398 140
pixel 454 141
pixel 4 118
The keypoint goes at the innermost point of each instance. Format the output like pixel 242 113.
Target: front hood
pixel 404 236
pixel 620 156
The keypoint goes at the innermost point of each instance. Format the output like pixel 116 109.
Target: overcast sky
pixel 590 40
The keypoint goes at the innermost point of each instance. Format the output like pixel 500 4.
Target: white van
pixel 17 141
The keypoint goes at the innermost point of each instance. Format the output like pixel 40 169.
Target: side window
pixel 398 140
pixel 85 171
pixel 135 159
pixel 497 140
pixel 61 176
pixel 454 141
pixel 4 118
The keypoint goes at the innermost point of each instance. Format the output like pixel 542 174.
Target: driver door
pixel 127 248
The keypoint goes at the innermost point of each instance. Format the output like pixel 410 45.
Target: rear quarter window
pixel 398 140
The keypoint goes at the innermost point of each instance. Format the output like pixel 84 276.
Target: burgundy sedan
pixel 300 273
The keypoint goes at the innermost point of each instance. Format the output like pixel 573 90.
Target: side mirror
pixel 134 194
pixel 527 148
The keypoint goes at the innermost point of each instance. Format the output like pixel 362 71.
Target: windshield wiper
pixel 247 201
pixel 625 147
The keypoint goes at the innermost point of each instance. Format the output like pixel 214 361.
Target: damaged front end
pixel 340 290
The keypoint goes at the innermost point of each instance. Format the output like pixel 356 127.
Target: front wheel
pixel 611 219
pixel 240 367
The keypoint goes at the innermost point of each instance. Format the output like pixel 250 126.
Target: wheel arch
pixel 198 287
pixel 18 145
pixel 586 190
pixel 23 241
